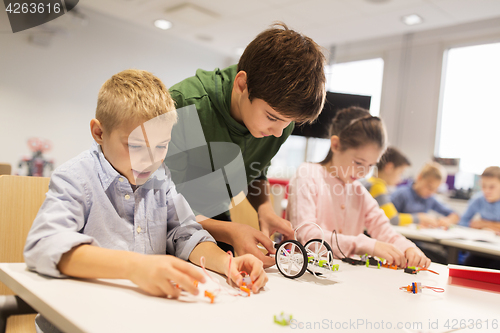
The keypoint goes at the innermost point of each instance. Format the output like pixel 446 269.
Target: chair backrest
pixel 20 200
pixel 5 169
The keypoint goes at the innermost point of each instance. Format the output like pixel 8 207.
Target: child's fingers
pixel 413 260
pixel 185 282
pixel 388 257
pixel 185 276
pixel 398 256
pixel 266 242
pixel 190 271
pixel 427 262
pixel 260 282
pixel 424 262
pixel 235 275
pixel 266 260
pixel 169 290
pixel 257 267
pixel 154 290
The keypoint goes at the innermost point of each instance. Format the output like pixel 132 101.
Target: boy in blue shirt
pixel 485 203
pixel 418 198
pixel 113 211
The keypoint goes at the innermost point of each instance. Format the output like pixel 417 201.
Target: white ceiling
pixel 226 25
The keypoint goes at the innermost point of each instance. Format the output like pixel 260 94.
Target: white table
pixel 355 295
pixel 482 242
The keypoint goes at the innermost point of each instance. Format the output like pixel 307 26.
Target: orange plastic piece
pixel 209 295
pixel 195 283
pixel 245 289
pixel 390 266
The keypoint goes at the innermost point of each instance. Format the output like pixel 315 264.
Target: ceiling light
pixel 163 24
pixel 412 19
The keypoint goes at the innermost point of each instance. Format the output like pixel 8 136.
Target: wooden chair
pixel 5 169
pixel 20 199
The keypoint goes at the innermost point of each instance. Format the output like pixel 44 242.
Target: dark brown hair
pixel 355 127
pixel 394 156
pixel 286 70
pixel 492 172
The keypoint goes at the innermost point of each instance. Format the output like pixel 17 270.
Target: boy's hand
pixel 444 222
pixel 448 221
pixel 417 258
pixel 244 239
pixel 390 253
pixel 251 265
pixel 477 224
pixel 427 221
pixel 270 223
pixel 159 274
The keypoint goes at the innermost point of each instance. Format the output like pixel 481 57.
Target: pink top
pixel 316 196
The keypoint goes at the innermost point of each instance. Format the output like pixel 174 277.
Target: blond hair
pixel 492 171
pixel 133 95
pixel 433 170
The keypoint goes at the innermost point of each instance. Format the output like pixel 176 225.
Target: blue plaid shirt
pixel 478 205
pixel 89 202
pixel 406 200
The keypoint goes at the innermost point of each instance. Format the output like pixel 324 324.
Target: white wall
pixel 412 81
pixel 51 92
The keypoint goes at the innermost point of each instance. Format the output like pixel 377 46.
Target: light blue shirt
pixel 478 205
pixel 406 200
pixel 89 202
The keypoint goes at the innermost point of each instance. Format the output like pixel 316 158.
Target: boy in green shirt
pixel 278 81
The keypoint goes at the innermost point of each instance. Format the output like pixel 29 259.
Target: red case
pixel 474 273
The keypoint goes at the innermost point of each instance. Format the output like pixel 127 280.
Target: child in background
pixel 329 194
pixel 418 198
pixel 485 203
pixel 389 170
pixel 113 212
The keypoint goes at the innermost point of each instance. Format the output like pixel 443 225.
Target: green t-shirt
pixel 210 92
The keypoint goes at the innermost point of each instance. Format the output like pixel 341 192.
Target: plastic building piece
pixel 411 270
pixel 245 289
pixel 353 261
pixel 374 262
pixel 247 280
pixel 320 256
pixel 395 267
pixel 335 267
pixel 291 259
pixel 210 295
pixel 416 287
pixel 283 319
pixel 428 270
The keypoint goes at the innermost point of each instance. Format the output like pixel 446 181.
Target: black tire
pixel 326 245
pixel 300 267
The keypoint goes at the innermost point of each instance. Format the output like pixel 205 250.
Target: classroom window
pixel 362 77
pixel 357 77
pixel 469 117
